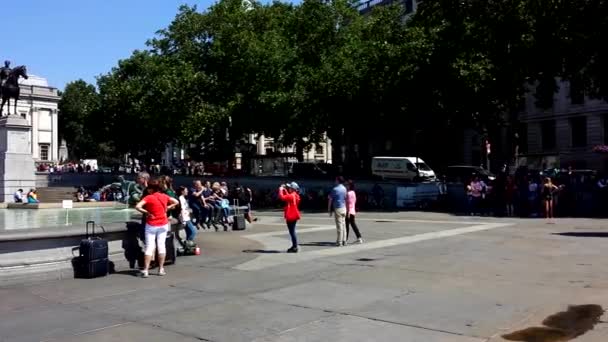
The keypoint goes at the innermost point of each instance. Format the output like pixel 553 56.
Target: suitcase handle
pixel 236 207
pixel 92 225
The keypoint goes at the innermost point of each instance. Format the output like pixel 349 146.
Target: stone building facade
pixel 38 104
pixel 565 134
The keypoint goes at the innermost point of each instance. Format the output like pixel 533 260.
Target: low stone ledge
pixel 59 232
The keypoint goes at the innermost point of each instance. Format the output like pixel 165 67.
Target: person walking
pixel 336 205
pixel 184 213
pixel 155 206
pixel 288 193
pixel 351 203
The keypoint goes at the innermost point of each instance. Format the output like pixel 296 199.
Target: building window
pixel 578 129
pixel 319 150
pixel 577 91
pixel 548 134
pixel 44 152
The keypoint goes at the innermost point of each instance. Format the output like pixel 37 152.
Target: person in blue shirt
pixel 336 206
pixel 18 196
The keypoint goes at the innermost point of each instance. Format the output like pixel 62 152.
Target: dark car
pixel 463 173
pixel 312 170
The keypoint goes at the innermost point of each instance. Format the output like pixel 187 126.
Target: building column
pixel 261 145
pixel 35 147
pixel 328 150
pixel 54 137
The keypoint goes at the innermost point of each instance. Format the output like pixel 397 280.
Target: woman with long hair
pixel 288 193
pixel 154 206
pixel 351 202
pixel 184 215
pixel 548 192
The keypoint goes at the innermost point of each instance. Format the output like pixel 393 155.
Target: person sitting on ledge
pixel 32 196
pixel 18 196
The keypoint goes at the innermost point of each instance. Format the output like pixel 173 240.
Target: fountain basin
pixel 55 205
pixel 37 245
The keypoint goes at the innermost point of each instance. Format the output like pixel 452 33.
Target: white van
pixel 401 168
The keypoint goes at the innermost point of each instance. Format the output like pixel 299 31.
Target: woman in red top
pixel 154 207
pixel 289 194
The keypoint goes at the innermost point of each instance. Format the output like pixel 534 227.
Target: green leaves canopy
pixel 296 72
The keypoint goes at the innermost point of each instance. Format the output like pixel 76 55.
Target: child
pixel 184 215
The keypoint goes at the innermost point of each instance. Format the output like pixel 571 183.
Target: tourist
pixel 510 192
pixel 288 193
pixel 244 196
pixel 197 202
pixel 32 196
pixel 167 187
pixel 336 205
pixel 18 196
pixel 184 214
pixel 476 188
pixel 155 206
pixel 351 203
pixel 548 192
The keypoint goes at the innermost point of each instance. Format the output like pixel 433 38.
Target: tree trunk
pixel 300 150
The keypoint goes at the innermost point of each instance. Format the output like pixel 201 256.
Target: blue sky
pixel 64 40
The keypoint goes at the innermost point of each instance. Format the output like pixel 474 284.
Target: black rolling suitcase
pixel 92 261
pixel 238 220
pixel 171 251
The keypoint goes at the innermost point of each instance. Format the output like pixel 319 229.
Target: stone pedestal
pixel 17 168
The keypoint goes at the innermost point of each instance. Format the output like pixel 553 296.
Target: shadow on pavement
pixel 133 273
pixel 584 234
pixel 261 251
pixel 319 244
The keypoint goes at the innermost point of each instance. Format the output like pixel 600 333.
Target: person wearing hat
pixel 288 193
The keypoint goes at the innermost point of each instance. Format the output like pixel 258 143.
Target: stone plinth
pixel 17 169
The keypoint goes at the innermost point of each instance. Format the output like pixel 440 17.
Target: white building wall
pixel 38 103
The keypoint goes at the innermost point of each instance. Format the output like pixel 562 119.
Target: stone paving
pixel 418 277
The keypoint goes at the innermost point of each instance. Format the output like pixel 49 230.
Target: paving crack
pixel 342 313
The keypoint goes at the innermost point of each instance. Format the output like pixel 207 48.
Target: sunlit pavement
pixel 418 277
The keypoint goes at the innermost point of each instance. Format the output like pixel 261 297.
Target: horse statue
pixel 10 88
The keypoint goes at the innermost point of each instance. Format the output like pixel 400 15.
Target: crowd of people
pixel 203 206
pixel 341 204
pixel 526 195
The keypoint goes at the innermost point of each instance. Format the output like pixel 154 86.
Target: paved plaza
pixel 418 277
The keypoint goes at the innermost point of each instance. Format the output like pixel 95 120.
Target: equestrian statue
pixel 9 86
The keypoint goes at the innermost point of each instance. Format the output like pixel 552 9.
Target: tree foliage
pixel 78 110
pixel 299 71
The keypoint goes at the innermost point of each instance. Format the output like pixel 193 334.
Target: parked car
pixel 463 173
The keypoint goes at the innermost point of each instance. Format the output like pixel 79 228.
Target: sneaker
pixel 338 244
pixel 162 272
pixel 293 250
pixel 144 274
pixel 359 241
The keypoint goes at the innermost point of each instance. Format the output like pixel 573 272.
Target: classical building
pixel 365 6
pixel 321 152
pixel 566 133
pixel 38 104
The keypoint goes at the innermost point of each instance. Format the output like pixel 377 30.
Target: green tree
pixel 78 111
